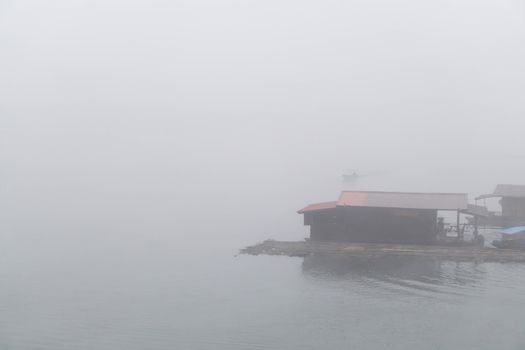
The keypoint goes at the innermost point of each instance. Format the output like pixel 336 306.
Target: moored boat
pixel 511 238
pixel 509 243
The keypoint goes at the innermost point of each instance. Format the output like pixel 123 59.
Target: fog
pixel 219 119
pixel 143 143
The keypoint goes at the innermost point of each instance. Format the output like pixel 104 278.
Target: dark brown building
pixel 381 217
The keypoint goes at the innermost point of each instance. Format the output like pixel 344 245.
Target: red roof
pixel 405 200
pixel 318 206
pixel 402 200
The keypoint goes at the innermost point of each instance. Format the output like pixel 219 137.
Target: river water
pixel 106 292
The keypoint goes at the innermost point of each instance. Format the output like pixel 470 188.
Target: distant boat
pixel 350 175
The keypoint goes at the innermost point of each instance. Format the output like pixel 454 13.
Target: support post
pixel 476 226
pixel 460 234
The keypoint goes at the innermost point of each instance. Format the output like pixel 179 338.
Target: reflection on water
pixel 432 271
pixel 409 274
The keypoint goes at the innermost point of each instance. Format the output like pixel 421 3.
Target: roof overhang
pixel 476 210
pixel 318 207
pixel 484 196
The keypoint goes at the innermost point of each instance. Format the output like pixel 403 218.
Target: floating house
pixel 512 201
pixel 384 217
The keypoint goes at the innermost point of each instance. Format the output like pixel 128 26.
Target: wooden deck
pixel 308 248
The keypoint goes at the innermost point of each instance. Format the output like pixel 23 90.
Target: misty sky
pixel 111 111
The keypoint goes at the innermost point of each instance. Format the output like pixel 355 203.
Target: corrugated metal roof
pixel 510 191
pixel 318 206
pixel 405 200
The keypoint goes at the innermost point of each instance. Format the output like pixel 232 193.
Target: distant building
pixel 381 217
pixel 512 200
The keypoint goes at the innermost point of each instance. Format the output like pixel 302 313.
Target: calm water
pixel 144 293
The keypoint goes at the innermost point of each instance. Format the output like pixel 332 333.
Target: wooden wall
pixel 373 225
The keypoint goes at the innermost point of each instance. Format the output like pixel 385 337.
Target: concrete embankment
pixel 308 248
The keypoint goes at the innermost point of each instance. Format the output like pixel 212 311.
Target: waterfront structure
pixel 384 217
pixel 512 204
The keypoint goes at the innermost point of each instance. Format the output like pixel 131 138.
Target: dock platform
pixel 456 253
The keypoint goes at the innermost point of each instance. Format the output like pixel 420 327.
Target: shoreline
pixel 372 250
